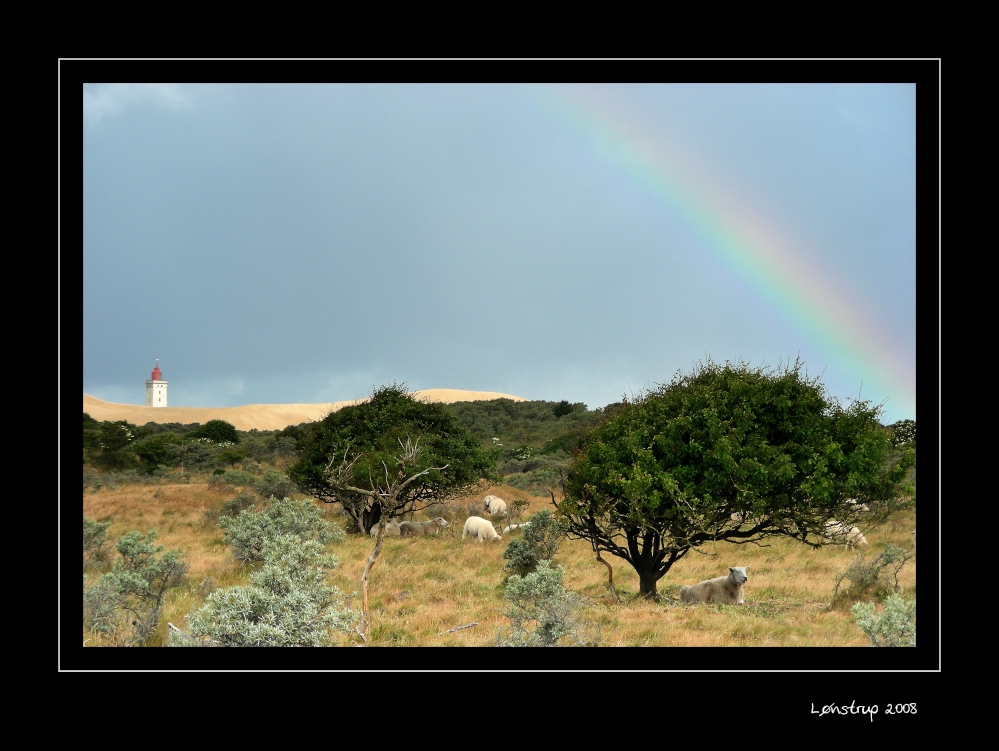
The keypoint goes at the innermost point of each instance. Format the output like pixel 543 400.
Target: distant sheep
pixel 494 505
pixel 391 529
pixel 417 529
pixel 479 528
pixel 856 505
pixel 507 530
pixel 839 531
pixel 728 590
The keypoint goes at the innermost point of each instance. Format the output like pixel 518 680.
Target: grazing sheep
pixel 392 529
pixel 494 505
pixel 479 528
pixel 416 529
pixel 853 536
pixel 725 589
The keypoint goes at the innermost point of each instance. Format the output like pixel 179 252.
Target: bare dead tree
pixel 388 492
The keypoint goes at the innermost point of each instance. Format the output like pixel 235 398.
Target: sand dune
pixel 259 416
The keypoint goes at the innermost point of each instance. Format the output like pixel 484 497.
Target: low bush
pixel 540 542
pixel 875 578
pixel 277 484
pixel 123 609
pixel 543 613
pixel 287 603
pixel 96 545
pixel 894 625
pixel 247 532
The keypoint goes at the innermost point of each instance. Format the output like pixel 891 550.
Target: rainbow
pixel 813 299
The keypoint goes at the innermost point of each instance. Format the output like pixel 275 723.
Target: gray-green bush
pixel 96 545
pixel 893 626
pixel 277 484
pixel 543 613
pixel 287 603
pixel 247 533
pixel 124 607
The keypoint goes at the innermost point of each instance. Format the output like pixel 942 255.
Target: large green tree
pixel 358 457
pixel 727 452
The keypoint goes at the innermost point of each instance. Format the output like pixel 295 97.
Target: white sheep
pixel 856 505
pixel 494 505
pixel 728 590
pixel 392 529
pixel 836 530
pixel 479 528
pixel 507 530
pixel 417 529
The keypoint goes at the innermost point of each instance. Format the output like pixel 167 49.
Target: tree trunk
pixel 610 578
pixel 647 583
pixel 364 625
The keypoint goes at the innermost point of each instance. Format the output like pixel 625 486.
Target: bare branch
pixel 457 628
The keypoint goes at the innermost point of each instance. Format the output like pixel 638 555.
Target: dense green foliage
pixel 363 444
pixel 248 532
pixel 124 607
pixel 217 431
pixel 665 473
pixel 542 426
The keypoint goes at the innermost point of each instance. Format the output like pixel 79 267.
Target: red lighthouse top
pixel 157 375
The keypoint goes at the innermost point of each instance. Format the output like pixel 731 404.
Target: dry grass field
pixel 422 587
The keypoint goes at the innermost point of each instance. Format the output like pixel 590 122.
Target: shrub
pixel 287 604
pixel 239 477
pixel 893 626
pixel 231 508
pixel 124 607
pixel 277 484
pixel 96 546
pixel 878 577
pixel 248 532
pixel 540 543
pixel 543 613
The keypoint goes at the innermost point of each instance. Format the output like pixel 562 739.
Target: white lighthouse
pixel 156 389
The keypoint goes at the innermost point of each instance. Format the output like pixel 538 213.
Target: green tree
pixel 116 445
pixel 157 450
pixel 727 452
pixel 287 604
pixel 217 431
pixel 353 455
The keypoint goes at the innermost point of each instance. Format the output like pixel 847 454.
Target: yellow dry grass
pixel 421 587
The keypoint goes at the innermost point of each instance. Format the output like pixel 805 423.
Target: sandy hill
pixel 259 416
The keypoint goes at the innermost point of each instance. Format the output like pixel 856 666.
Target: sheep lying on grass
pixel 494 505
pixel 725 589
pixel 392 529
pixel 479 528
pixel 839 531
pixel 416 529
